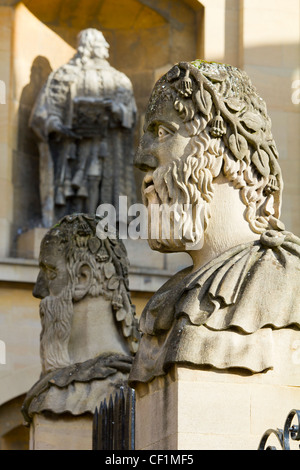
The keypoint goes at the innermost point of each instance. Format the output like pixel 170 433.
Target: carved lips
pixel 149 193
pixel 148 184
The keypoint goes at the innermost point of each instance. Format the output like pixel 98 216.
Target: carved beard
pixel 56 318
pixel 177 185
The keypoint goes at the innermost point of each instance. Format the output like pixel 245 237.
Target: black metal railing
pixel 284 435
pixel 114 422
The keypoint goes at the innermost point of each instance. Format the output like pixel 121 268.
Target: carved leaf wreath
pixel 128 318
pixel 238 146
pixel 260 159
pixel 252 121
pixel 109 270
pixel 203 100
pixel 94 244
pixel 121 314
pixel 234 105
pixel 120 251
pixel 113 283
pixel 248 126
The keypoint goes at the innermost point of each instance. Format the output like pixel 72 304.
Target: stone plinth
pixel 50 432
pixel 215 410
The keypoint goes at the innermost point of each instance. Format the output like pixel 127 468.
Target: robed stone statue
pixel 84 119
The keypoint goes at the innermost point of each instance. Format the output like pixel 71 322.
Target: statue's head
pixel 76 264
pixel 91 44
pixel 205 121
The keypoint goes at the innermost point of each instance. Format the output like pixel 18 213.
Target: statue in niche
pixel 84 119
pixel 89 329
pixel 208 143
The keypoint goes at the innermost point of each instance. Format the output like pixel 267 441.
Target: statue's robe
pixel 114 168
pixel 226 314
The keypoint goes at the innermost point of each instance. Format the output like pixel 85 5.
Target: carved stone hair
pixel 92 36
pixel 219 102
pixel 75 235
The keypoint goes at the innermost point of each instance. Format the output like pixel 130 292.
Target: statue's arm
pixel 49 110
pixel 123 106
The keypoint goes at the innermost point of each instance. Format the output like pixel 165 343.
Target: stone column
pixel 6 190
pixel 52 432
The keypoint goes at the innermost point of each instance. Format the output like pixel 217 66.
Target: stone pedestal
pixel 29 243
pixel 52 432
pixel 215 410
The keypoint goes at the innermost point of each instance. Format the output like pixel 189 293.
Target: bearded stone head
pixel 75 265
pixel 206 123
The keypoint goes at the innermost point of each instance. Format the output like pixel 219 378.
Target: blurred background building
pixel 146 38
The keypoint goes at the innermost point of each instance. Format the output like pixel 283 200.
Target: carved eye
pixel 51 275
pixel 163 132
pixel 50 272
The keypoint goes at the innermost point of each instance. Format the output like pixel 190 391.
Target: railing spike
pixel 113 424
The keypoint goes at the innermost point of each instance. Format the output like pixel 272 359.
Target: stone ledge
pixel 144 279
pixel 18 270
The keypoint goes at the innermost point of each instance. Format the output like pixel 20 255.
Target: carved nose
pixel 144 160
pixel 40 290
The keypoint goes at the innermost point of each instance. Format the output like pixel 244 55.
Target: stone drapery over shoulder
pixel 218 315
pixel 77 389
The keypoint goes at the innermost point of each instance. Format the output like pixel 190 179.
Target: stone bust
pixel 84 120
pixel 207 142
pixel 89 329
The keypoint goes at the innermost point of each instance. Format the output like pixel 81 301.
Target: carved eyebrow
pixel 155 123
pixel 47 266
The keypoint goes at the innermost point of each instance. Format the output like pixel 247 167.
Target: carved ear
pixel 84 277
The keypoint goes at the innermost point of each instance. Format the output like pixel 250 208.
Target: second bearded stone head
pixel 76 264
